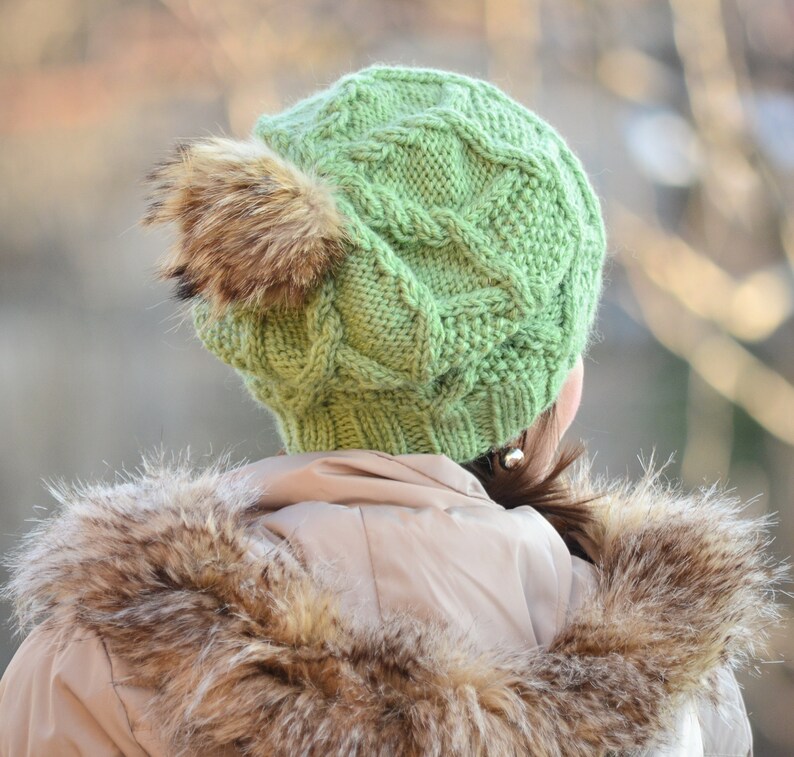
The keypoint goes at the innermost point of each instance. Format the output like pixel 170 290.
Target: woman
pixel 405 269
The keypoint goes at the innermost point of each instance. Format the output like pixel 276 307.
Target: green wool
pixel 470 281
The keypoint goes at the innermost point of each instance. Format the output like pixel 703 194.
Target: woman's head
pixel 539 443
pixel 560 415
pixel 537 479
pixel 409 261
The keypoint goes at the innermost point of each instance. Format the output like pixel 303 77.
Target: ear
pixel 253 227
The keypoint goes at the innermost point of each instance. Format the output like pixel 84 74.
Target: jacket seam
pixel 118 697
pixel 371 563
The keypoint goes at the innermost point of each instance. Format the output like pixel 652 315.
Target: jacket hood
pixel 245 644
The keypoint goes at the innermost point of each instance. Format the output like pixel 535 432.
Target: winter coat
pixel 357 603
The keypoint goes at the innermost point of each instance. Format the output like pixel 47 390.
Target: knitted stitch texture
pixel 469 283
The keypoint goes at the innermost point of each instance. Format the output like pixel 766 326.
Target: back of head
pixel 408 261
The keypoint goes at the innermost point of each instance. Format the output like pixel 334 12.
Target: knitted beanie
pixel 408 261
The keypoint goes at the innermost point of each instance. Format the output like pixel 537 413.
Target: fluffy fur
pixel 253 228
pixel 161 568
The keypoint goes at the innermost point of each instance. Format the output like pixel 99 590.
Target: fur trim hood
pixel 246 647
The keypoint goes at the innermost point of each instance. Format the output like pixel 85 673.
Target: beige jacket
pixel 357 603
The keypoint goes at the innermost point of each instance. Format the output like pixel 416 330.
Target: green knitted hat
pixel 408 261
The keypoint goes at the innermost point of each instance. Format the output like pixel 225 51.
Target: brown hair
pixel 531 483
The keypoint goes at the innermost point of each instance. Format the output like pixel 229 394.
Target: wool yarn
pixel 470 279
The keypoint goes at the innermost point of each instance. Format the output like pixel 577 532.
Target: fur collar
pixel 250 649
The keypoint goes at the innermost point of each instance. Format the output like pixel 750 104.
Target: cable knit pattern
pixel 470 278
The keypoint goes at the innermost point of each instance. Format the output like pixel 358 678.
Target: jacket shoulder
pixel 61 683
pixel 724 721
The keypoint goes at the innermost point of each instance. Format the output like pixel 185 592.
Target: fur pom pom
pixel 253 228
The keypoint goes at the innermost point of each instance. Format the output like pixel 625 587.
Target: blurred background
pixel 681 110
